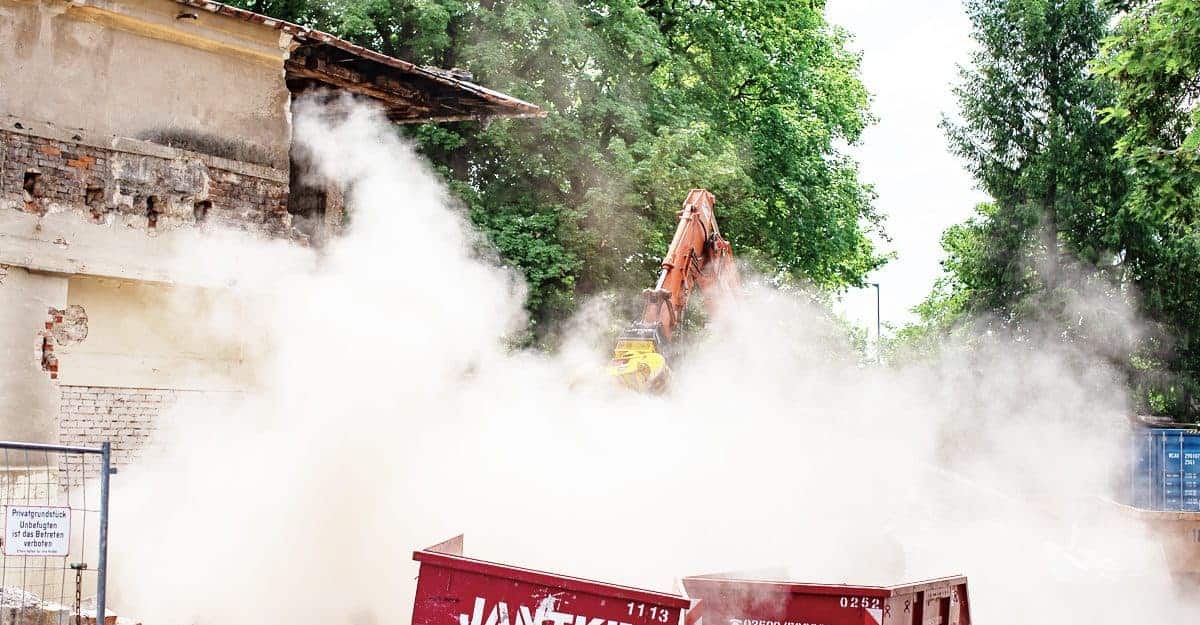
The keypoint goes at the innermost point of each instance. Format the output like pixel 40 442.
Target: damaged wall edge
pixel 138 188
pixel 140 147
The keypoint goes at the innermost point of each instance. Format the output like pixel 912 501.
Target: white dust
pixel 387 414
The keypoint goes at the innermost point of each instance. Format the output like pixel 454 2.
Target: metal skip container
pixel 1179 535
pixel 724 601
pixel 455 590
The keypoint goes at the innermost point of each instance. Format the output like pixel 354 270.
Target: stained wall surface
pixel 147 69
pixel 155 336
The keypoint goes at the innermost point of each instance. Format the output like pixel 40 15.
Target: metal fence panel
pixel 54 550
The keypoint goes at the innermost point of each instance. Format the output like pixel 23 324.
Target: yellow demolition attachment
pixel 637 364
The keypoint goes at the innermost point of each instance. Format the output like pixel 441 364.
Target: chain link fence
pixel 54 548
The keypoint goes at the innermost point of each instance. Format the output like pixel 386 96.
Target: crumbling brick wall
pixel 138 184
pixel 63 328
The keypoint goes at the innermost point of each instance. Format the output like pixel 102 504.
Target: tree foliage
pixel 1031 135
pixel 1153 58
pixel 1090 154
pixel 645 99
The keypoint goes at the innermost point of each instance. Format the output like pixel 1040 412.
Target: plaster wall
pixel 28 397
pixel 155 336
pixel 148 69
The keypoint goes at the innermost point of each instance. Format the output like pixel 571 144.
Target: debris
pixel 13 597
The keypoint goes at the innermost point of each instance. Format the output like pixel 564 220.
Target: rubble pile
pixel 13 597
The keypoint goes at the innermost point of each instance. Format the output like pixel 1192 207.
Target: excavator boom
pixel 698 257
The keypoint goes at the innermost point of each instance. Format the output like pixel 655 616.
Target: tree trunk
pixel 1052 244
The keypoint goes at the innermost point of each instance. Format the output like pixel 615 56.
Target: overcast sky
pixel 909 54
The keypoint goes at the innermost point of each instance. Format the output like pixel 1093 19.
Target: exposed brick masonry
pixel 39 174
pixel 64 327
pixel 127 417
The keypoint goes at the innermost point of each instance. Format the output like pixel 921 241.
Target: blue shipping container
pixel 1165 472
pixel 1191 472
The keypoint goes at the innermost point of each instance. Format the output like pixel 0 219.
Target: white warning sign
pixel 37 531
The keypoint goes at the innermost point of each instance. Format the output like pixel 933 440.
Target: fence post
pixel 102 574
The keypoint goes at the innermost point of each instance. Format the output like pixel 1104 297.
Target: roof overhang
pixel 409 93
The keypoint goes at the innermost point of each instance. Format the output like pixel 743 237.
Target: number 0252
pixel 861 602
pixel 654 612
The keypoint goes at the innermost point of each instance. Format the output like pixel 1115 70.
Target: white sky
pixel 909 54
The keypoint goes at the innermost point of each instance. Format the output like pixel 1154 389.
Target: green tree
pixel 1031 135
pixel 951 308
pixel 1153 57
pixel 1031 107
pixel 645 99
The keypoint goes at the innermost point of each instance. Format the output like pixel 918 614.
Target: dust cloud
pixel 389 415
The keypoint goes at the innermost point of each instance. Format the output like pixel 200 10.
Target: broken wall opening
pixel 315 204
pixel 30 182
pixel 307 202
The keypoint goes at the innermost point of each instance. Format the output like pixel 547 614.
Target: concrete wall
pixel 136 68
pixel 146 125
pixel 122 352
pixel 117 108
pixel 28 397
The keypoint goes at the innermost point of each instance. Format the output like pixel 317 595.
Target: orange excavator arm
pixel 698 257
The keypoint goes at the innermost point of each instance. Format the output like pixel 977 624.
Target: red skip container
pixel 454 590
pixel 723 601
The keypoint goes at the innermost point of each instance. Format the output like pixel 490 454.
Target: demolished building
pixel 124 125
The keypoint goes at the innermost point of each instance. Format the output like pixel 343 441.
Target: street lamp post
pixel 878 325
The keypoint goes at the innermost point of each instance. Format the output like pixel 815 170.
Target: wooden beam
pixel 462 118
pixel 390 98
pixel 409 97
pixel 319 61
